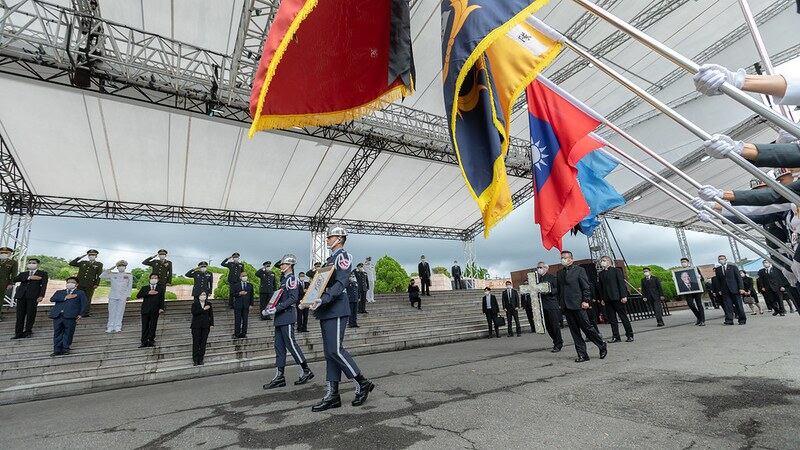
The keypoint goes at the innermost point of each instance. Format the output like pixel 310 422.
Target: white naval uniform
pixel 121 286
pixel 370 269
pixel 792 96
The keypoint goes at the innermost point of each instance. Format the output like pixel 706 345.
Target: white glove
pixel 701 204
pixel 709 192
pixel 711 76
pixel 268 312
pixel 315 304
pixel 704 216
pixel 784 137
pixel 720 146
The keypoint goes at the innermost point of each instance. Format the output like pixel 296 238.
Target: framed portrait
pixel 687 281
pixel 318 284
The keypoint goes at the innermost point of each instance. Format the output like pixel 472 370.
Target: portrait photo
pixel 687 281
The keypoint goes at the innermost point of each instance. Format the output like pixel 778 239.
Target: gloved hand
pixel 701 204
pixel 704 216
pixel 784 137
pixel 720 146
pixel 268 312
pixel 315 304
pixel 711 76
pixel 708 192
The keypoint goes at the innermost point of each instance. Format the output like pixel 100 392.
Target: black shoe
pixel 630 339
pixel 65 352
pixel 701 324
pixel 783 315
pixel 55 354
pixel 17 336
pixel 697 323
pixel 581 359
pixel 27 334
pixel 353 326
pixel 555 350
pixel 603 352
pixel 519 334
pixel 243 336
pixel 487 337
pixel 775 313
pixel 497 336
pixel 194 363
pixel 660 324
pixel 201 362
pixel 614 340
pixel 330 400
pixel 727 323
pixel 143 346
pixel 304 378
pixel 742 323
pixel 362 392
pixel 510 335
pixel 278 381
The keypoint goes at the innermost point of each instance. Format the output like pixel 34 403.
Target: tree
pixel 223 288
pixel 442 270
pixel 635 275
pixel 390 276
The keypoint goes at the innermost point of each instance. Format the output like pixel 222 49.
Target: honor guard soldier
pixel 235 269
pixel 161 267
pixel 8 270
pixel 203 280
pixel 88 275
pixel 285 318
pixel 332 310
pixel 267 278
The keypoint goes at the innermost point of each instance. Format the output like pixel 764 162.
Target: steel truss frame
pixel 683 243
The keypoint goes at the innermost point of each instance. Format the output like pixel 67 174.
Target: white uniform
pixel 792 96
pixel 121 286
pixel 370 269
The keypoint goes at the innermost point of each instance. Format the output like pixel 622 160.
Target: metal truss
pixel 706 55
pixel 319 249
pixel 469 252
pixel 666 223
pixel 600 245
pixel 256 19
pixel 737 257
pixel 683 243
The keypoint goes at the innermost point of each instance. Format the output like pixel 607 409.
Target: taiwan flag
pixel 558 127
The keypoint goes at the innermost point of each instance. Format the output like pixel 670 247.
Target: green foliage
pixel 140 277
pixel 441 270
pixel 390 276
pixel 170 296
pixel 414 274
pixel 63 273
pixel 223 288
pixel 635 275
pixel 477 272
pixel 56 268
pixel 181 280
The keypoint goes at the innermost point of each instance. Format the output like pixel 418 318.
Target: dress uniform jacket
pixel 362 280
pixel 235 270
pixel 121 284
pixel 203 282
pixel 8 270
pixel 88 272
pixel 285 311
pixel 573 287
pixel 267 279
pixel 161 268
pixel 334 300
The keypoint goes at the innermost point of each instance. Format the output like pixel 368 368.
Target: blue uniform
pixel 352 295
pixel 64 312
pixel 333 316
pixel 285 318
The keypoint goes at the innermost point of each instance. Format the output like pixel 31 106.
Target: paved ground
pixel 676 387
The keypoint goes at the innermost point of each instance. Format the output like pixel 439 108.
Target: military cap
pixel 289 259
pixel 6 249
pixel 202 264
pixel 360 265
pixel 162 252
pixel 317 264
pixel 779 172
pixel 33 259
pixel 336 230
pixel 92 252
pixel 267 263
pixel 755 182
pixel 235 254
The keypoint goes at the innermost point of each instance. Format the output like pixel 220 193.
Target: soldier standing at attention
pixel 161 267
pixel 285 318
pixel 235 269
pixel 203 280
pixel 267 278
pixel 332 310
pixel 121 289
pixel 8 270
pixel 88 275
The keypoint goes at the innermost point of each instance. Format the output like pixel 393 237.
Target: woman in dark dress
pixel 413 294
pixel 202 321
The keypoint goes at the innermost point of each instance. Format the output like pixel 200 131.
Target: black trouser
pixel 263 299
pixel 794 294
pixel 512 313
pixel 362 301
pixel 614 309
pixel 714 301
pixel 89 291
pixel 149 324
pixel 230 292
pixel 552 323
pixel 353 320
pixel 529 313
pixel 578 321
pixel 457 282
pixel 426 286
pixel 199 340
pixel 240 313
pixel 417 300
pixel 658 309
pixel 695 303
pixel 775 299
pixel 302 319
pixel 490 319
pixel 26 315
pixel 732 304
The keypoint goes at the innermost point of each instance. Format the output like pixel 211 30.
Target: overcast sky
pixel 514 244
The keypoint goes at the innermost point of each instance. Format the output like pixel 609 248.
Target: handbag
pixel 500 321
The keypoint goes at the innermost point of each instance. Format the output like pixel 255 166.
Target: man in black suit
pixel 550 306
pixel 152 296
pixel 455 271
pixel 773 284
pixel 33 285
pixel 490 310
pixel 614 295
pixel 651 290
pixel 424 271
pixel 510 305
pixel 363 287
pixel 574 293
pixel 729 287
pixel 242 301
pixel 694 301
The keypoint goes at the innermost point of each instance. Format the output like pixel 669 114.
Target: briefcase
pixel 500 321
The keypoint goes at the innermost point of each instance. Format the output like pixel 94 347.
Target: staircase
pixel 100 361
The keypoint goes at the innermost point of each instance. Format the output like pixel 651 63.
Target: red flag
pixel 559 140
pixel 327 61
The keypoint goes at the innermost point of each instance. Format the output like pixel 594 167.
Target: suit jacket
pixel 611 284
pixel 772 281
pixel 247 298
pixel 68 308
pixel 151 303
pixel 652 289
pixel 494 309
pixel 550 301
pixel 424 269
pixel 31 289
pixel 510 302
pixel 203 282
pixel 730 281
pixel 413 292
pixel 202 318
pixel 455 271
pixel 573 287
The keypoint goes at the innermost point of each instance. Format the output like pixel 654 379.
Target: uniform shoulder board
pixel 343 261
pixel 291 282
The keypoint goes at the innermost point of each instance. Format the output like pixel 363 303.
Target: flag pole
pixel 741 216
pixel 691 67
pixel 761 48
pixel 688 205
